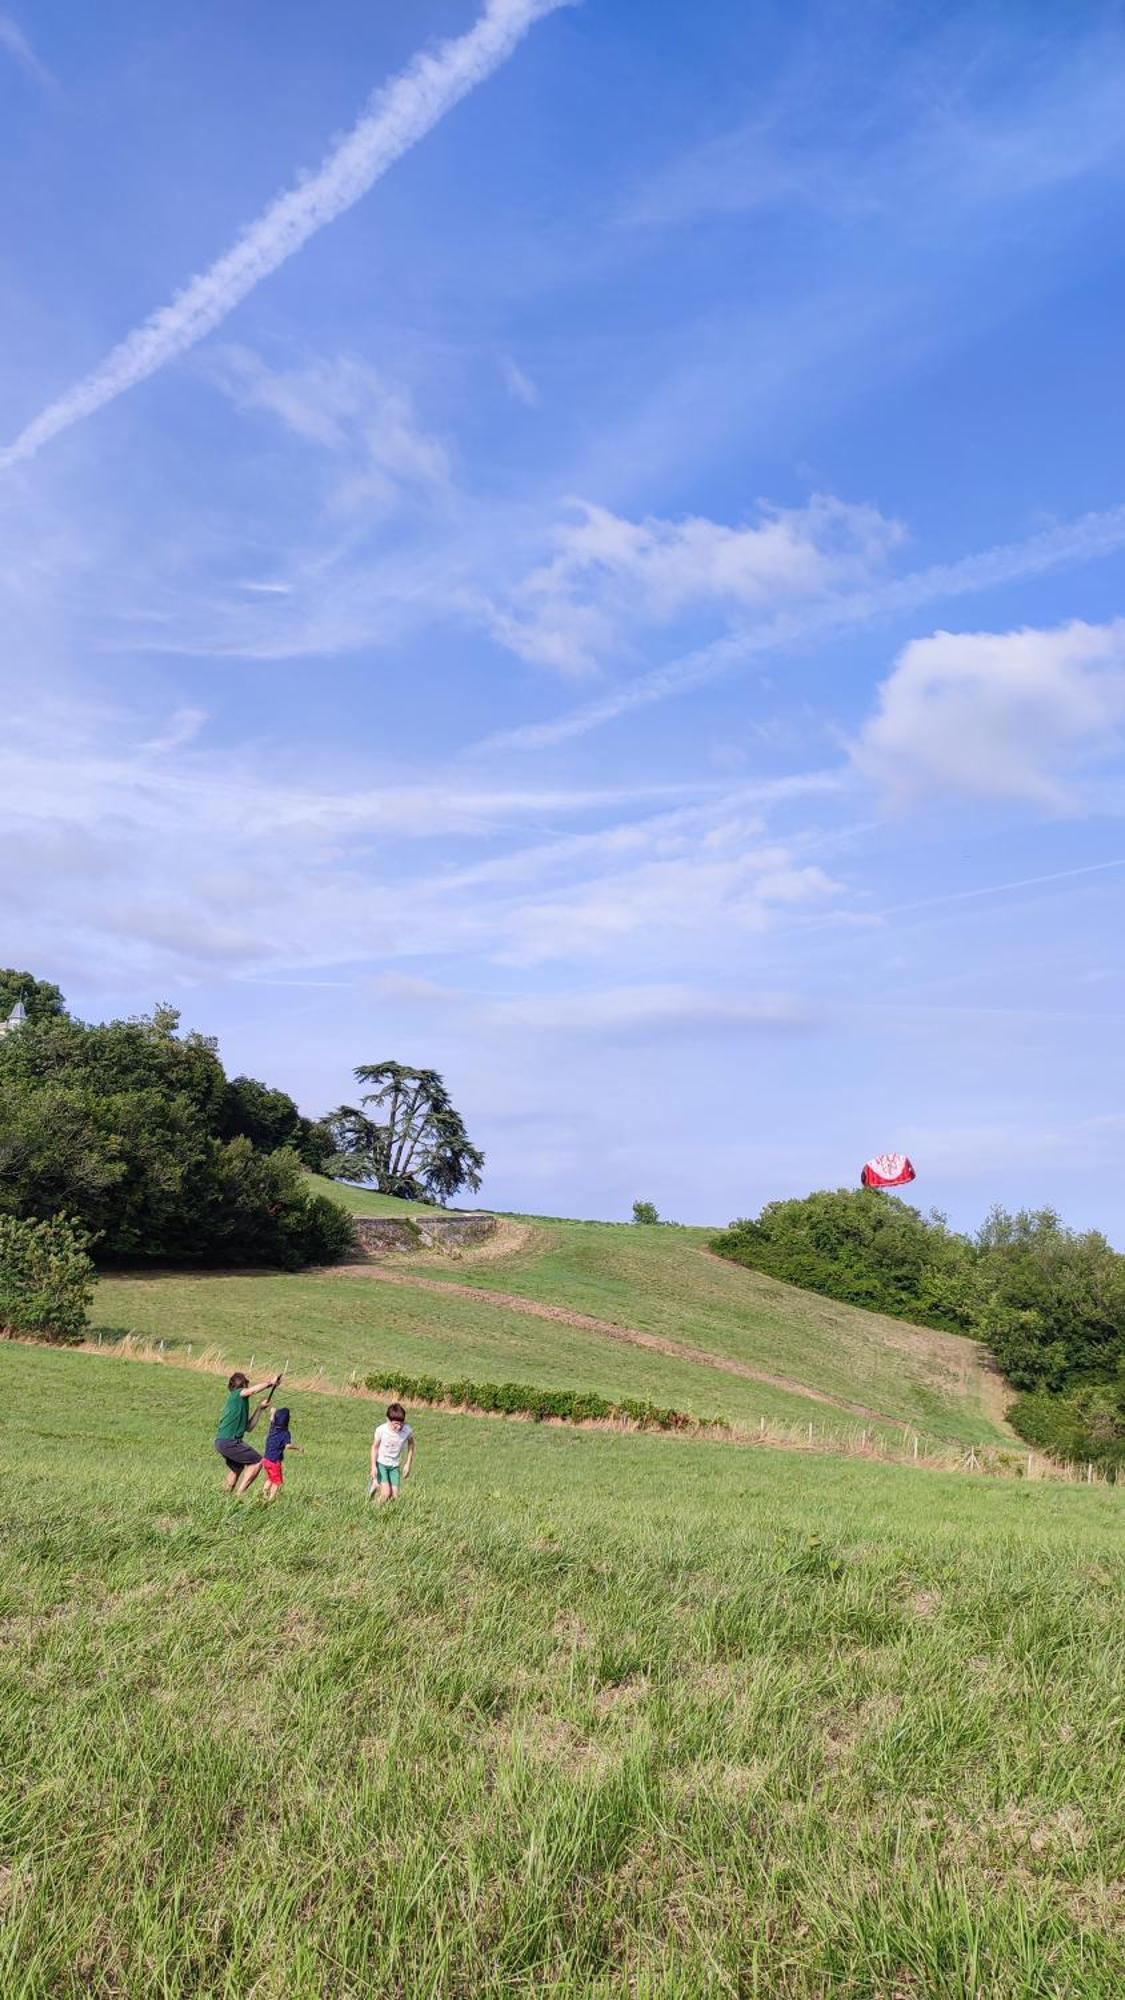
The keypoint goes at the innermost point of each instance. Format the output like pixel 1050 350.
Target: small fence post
pixel 761 1427
pixel 810 1433
pixel 915 1444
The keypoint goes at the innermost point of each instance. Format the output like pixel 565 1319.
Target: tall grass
pixel 584 1714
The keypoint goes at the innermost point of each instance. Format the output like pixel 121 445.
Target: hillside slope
pixel 626 1311
pixel 666 1282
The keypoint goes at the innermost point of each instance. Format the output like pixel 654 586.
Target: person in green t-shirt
pixel 243 1463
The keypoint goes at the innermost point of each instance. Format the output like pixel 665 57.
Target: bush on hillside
pixel 864 1248
pixel 255 1208
pixel 46 1279
pixel 1049 1301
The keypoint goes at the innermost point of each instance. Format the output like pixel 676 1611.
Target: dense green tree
pixel 40 996
pixel 645 1212
pixel 854 1244
pixel 126 1127
pixel 252 1110
pixel 404 1136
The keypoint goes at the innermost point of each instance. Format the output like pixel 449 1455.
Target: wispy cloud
pixel 379 451
pixel 162 854
pixel 1083 540
pixel 401 113
pixel 518 384
pixel 634 1013
pixel 610 576
pixel 919 144
pixel 15 42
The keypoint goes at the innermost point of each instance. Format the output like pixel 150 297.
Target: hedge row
pixel 522 1399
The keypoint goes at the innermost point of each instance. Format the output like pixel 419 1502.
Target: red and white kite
pixel 887 1170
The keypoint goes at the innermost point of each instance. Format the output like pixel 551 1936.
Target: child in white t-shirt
pixel 392 1455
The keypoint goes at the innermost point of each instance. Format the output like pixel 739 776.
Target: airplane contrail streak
pixel 400 113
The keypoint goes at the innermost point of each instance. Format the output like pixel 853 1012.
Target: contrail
pixel 15 41
pixel 1082 540
pixel 399 114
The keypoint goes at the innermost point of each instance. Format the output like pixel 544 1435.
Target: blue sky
pixel 583 546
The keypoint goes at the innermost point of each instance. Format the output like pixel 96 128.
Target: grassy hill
pixel 363 1201
pixel 585 1715
pixel 714 1338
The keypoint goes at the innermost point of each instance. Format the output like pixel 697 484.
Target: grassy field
pixel 586 1715
pixel 349 1323
pixel 816 1361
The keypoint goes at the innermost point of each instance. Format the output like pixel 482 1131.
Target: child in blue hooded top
pixel 278 1443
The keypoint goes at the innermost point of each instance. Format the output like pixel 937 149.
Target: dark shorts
pixel 237 1453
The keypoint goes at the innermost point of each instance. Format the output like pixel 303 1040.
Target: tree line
pixel 133 1131
pixel 1049 1301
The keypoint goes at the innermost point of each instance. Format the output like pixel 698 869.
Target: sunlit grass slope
pixel 352 1323
pixel 586 1715
pixel 662 1281
pixel 667 1282
pixel 363 1201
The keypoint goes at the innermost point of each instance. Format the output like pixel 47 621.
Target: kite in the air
pixel 887 1170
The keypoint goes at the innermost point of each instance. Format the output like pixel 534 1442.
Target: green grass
pixel 364 1201
pixel 661 1281
pixel 665 1281
pixel 353 1323
pixel 584 1715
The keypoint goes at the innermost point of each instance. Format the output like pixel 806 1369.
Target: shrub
pixel 46 1279
pixel 865 1248
pixel 524 1399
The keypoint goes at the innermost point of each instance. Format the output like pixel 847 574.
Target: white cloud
pixel 997 715
pixel 658 1009
pixel 400 114
pixel 717 881
pixel 148 854
pixel 1087 539
pixel 611 576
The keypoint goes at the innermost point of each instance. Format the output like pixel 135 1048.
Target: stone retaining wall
pixel 379 1234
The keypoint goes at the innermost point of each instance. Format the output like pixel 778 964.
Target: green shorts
pixel 390 1475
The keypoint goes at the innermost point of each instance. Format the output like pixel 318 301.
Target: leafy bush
pixel 864 1248
pixel 523 1399
pixel 46 1279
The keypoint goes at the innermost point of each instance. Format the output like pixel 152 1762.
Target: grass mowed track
pixel 585 1715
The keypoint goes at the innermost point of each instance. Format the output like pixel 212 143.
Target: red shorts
pixel 273 1471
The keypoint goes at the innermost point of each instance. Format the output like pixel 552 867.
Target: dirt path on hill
pixel 632 1336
